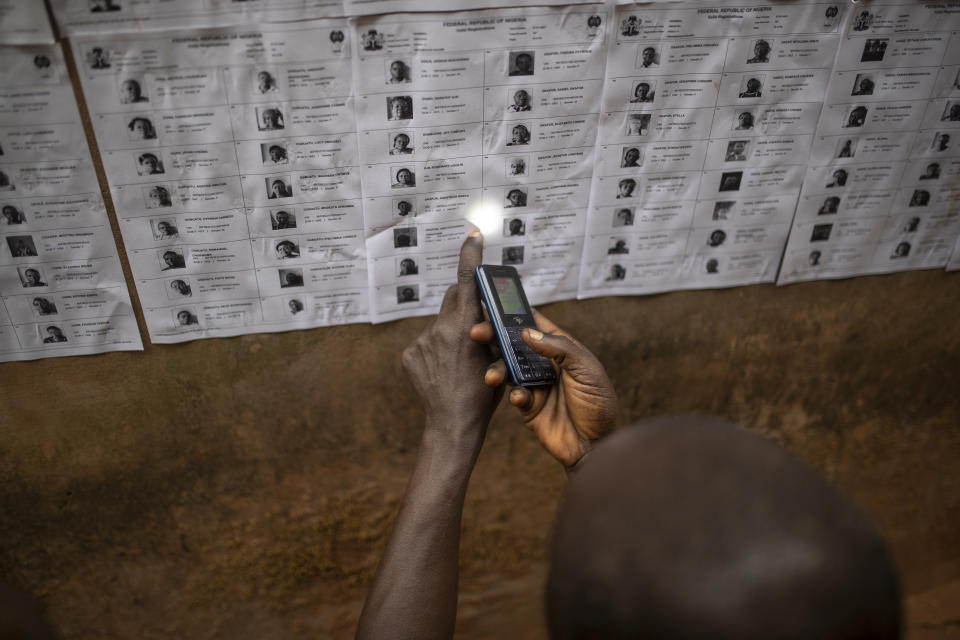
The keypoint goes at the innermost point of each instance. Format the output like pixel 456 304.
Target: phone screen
pixel 509 295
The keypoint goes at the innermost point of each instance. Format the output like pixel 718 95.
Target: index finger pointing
pixel 471 255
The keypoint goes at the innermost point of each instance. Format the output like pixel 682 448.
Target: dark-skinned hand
pixel 569 415
pixel 445 366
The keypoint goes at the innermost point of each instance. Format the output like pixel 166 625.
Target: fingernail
pixel 536 335
pixel 474 234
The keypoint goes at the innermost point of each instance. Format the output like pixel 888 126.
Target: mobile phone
pixel 506 304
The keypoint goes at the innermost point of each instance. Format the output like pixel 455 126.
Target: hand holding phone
pixel 506 303
pixel 578 409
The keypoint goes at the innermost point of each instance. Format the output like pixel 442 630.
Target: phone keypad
pixel 532 365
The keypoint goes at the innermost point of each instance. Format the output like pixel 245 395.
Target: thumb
pixel 566 353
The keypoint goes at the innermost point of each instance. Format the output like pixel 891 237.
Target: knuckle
pixel 422 343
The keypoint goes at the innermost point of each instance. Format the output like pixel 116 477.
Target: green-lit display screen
pixel 509 296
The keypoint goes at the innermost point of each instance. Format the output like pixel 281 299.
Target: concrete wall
pixel 243 488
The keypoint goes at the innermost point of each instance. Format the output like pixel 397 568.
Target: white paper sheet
pixel 231 156
pixel 373 7
pixel 61 283
pixel 882 187
pixel 87 17
pixel 24 22
pixel 109 17
pixel 708 119
pixel 484 119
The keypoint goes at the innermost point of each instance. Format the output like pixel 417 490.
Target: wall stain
pixel 245 487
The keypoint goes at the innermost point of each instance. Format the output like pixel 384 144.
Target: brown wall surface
pixel 243 487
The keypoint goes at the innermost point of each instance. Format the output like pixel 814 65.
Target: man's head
pixel 170 258
pixel 286 249
pixel 404 177
pixel 130 90
pixel 521 99
pixel 520 134
pixel 142 128
pixel 647 56
pixel 398 70
pixel 753 85
pixel 54 332
pixel 524 62
pixel 404 208
pixel 642 90
pixel 277 153
pixel 265 81
pixel 745 120
pixel 32 276
pixel 516 226
pixel 626 187
pixel 516 197
pixel 691 527
pixel 180 286
pixel 761 49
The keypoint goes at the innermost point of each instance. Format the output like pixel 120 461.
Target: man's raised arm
pixel 414 592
